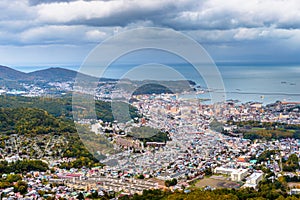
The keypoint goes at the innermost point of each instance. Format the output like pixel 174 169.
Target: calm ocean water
pixel 245 83
pixel 262 83
pixel 242 82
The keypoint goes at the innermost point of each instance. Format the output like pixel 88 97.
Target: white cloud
pixel 216 22
pixel 63 34
pixel 87 10
pixel 95 35
pixel 66 12
pixel 50 34
pixel 247 34
pixel 15 10
pixel 213 20
pixel 217 14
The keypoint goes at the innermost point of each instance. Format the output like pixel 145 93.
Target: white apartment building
pixel 235 174
pixel 254 179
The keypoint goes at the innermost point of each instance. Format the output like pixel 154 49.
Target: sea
pixel 264 83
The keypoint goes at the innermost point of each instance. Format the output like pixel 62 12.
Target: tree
pixel 13 178
pixel 292 164
pixel 80 196
pixel 172 182
pixel 21 187
pixel 141 176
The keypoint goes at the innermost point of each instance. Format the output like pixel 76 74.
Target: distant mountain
pixel 55 74
pixel 14 79
pixel 10 74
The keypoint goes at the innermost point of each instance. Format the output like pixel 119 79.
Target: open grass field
pixel 216 182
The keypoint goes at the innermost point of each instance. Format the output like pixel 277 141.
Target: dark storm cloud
pixel 213 22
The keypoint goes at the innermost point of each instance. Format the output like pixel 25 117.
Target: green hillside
pixel 27 121
pixel 62 106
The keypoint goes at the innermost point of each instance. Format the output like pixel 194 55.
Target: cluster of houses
pixel 194 149
pixel 17 147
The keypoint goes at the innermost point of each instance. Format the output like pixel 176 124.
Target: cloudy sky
pixel 63 32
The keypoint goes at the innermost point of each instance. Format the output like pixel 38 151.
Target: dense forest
pixel 265 130
pixel 149 134
pixel 27 121
pixel 62 106
pixel 152 89
pixel 23 166
pixel 54 106
pixel 157 86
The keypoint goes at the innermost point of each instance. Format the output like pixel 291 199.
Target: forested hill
pixel 56 74
pixel 46 75
pixel 33 129
pixel 55 106
pixel 27 121
pixel 7 73
pixel 60 107
pixel 34 122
